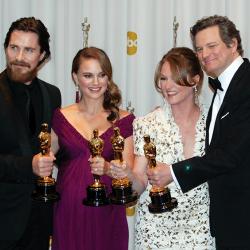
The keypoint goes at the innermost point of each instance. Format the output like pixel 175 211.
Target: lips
pixel 95 89
pixel 21 64
pixel 171 93
pixel 208 61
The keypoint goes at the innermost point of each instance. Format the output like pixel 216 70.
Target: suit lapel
pixel 46 116
pixel 234 84
pixel 209 116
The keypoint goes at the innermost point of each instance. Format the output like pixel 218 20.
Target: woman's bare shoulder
pixel 123 113
pixel 69 109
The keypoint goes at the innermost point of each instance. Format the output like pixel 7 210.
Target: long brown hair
pixel 112 96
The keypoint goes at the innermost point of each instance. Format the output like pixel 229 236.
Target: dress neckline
pixel 166 114
pixel 103 135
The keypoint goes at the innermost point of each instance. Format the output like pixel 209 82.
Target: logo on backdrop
pixel 131 43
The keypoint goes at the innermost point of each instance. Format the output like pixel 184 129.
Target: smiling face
pixel 92 81
pixel 23 55
pixel 173 92
pixel 214 55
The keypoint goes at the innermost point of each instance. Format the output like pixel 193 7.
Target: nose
pixel 205 53
pixel 19 55
pixel 95 80
pixel 169 84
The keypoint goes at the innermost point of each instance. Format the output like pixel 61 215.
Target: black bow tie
pixel 215 83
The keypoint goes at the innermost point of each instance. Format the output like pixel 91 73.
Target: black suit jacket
pixel 16 177
pixel 226 165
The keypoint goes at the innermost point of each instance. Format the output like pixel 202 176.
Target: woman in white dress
pixel 178 130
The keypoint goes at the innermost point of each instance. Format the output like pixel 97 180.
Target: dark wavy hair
pixel 184 64
pixel 112 96
pixel 227 30
pixel 31 24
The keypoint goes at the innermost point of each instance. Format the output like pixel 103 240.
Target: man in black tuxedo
pixel 226 163
pixel 25 103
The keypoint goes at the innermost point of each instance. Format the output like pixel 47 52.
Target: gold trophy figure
pixel 45 186
pixel 161 200
pixel 121 188
pixel 96 192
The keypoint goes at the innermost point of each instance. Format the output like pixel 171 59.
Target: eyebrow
pixel 207 44
pixel 13 44
pixel 88 72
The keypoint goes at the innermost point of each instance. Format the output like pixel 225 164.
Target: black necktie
pixel 30 112
pixel 215 83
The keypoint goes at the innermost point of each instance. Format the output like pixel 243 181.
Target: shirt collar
pixel 227 75
pixel 19 87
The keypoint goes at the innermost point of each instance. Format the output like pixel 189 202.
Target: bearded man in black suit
pixel 226 163
pixel 25 103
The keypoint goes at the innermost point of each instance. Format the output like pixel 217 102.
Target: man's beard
pixel 17 75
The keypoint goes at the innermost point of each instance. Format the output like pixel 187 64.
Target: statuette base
pixel 96 196
pixel 45 190
pixel 161 202
pixel 123 195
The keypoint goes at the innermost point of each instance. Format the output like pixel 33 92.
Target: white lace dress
pixel 187 226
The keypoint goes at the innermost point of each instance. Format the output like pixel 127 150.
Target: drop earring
pixel 77 94
pixel 196 99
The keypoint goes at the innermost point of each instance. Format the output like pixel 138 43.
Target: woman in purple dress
pixel 76 226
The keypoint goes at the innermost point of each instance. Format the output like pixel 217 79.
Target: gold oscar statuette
pixel 96 192
pixel 122 192
pixel 45 186
pixel 161 200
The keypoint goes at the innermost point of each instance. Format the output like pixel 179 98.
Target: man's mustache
pixel 20 63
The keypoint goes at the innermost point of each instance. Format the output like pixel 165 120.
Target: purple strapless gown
pixel 79 227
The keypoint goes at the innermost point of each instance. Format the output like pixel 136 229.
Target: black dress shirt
pixel 22 95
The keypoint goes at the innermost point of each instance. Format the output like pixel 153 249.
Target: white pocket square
pixel 224 115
